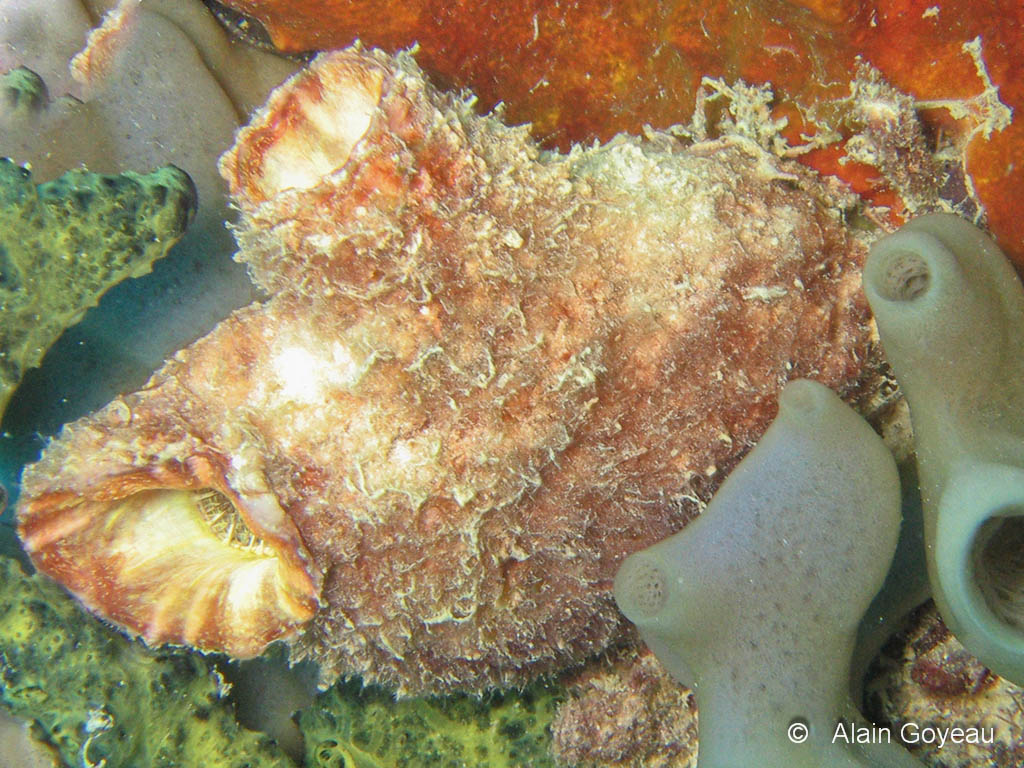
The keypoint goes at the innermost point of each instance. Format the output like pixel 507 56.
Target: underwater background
pixel 115 255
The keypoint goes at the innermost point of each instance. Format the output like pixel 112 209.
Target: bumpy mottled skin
pixel 484 375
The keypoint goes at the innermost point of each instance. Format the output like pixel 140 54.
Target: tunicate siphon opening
pixel 641 588
pixel 205 513
pixel 905 277
pixel 999 566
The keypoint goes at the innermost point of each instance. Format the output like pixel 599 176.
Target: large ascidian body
pixel 482 376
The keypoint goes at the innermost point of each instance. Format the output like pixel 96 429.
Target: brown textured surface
pixel 626 711
pixel 485 373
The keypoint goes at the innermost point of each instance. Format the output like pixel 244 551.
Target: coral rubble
pixel 925 684
pixel 485 373
pixel 66 242
pixel 100 699
pixel 626 711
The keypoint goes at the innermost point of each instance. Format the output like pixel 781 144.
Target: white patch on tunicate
pixel 346 370
pixel 512 239
pixel 629 162
pixel 290 174
pixel 402 453
pixel 463 494
pixel 410 469
pixel 321 241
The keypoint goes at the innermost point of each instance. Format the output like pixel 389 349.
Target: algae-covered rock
pixel 64 243
pixel 102 699
pixel 350 726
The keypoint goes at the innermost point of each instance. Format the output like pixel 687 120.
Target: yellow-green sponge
pixel 103 700
pixel 64 243
pixel 351 726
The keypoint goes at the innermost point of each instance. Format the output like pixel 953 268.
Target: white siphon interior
pixel 204 523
